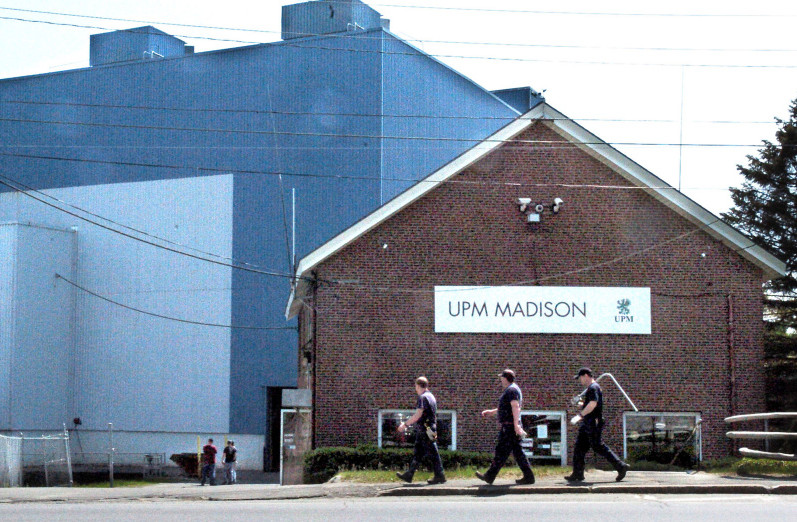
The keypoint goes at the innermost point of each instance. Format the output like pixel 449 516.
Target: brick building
pixel 369 323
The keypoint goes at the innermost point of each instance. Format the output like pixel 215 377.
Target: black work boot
pixel 437 480
pixel 622 468
pixel 406 476
pixel 574 478
pixel 527 480
pixel 484 477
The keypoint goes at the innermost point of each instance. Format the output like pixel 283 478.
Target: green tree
pixel 765 208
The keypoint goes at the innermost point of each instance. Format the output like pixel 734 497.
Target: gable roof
pixel 574 133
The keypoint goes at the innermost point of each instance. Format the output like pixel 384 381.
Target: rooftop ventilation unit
pixel 328 17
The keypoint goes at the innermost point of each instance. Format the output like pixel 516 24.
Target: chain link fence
pixel 35 461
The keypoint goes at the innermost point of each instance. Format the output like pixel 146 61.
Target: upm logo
pixel 624 311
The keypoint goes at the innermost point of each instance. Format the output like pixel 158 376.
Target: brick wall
pixel 375 333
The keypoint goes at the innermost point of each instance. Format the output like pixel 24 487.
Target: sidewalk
pixel 636 482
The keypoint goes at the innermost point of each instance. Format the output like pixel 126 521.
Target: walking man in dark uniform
pixel 511 433
pixel 591 430
pixel 425 421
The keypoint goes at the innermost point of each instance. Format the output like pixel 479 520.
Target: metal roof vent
pixel 129 45
pixel 329 16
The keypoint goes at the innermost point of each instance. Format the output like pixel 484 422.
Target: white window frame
pixel 563 430
pixel 698 440
pixel 409 414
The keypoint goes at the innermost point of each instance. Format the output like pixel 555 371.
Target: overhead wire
pixel 302 44
pixel 220 170
pixel 404 289
pixel 361 114
pixel 453 42
pixel 359 136
pixel 658 14
pixel 20 187
pixel 5 181
pixel 396 137
pixel 161 316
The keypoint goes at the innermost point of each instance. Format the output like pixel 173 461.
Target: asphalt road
pixel 572 508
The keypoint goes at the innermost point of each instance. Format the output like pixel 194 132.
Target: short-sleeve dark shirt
pixel 230 454
pixel 209 454
pixel 594 393
pixel 511 393
pixel 428 404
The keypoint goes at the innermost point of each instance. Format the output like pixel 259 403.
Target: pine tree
pixel 765 208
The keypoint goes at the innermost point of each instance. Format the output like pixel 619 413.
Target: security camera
pixel 523 203
pixel 557 204
pixel 539 208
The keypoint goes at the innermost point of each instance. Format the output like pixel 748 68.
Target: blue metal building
pixel 184 185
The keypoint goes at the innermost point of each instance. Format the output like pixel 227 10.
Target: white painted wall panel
pixel 8 256
pixel 137 371
pixel 42 362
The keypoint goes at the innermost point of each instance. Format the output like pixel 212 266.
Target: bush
pixel 322 464
pixel 749 467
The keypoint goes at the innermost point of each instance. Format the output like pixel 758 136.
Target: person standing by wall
pixel 229 458
pixel 425 421
pixel 590 432
pixel 209 463
pixel 508 413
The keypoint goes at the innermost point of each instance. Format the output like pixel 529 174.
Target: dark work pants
pixel 209 473
pixel 425 448
pixel 508 443
pixel 590 435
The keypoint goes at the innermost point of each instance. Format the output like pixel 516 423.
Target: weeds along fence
pixel 35 461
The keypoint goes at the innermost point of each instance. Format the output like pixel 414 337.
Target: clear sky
pixel 687 89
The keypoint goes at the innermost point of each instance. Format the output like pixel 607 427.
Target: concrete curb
pixel 600 483
pixel 487 491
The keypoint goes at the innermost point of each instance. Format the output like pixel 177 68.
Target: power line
pixel 503 44
pixel 368 136
pixel 293 43
pixel 355 178
pixel 79 26
pixel 138 310
pixel 333 176
pixel 589 13
pixel 5 181
pixel 19 186
pixel 362 114
pixel 301 45
pixel 698 228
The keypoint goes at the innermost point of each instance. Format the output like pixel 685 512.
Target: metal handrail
pixel 609 375
pixel 762 416
pixel 765 435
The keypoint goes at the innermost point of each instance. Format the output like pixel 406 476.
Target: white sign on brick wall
pixel 541 309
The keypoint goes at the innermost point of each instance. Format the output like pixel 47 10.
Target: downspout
pixel 314 376
pixel 731 356
pixel 731 366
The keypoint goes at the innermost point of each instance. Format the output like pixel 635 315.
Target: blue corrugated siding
pixel 416 85
pixel 337 178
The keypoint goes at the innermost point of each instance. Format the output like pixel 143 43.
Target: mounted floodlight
pixel 523 203
pixel 557 205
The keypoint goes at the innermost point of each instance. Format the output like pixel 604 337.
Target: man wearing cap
pixel 425 421
pixel 508 413
pixel 591 430
pixel 229 459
